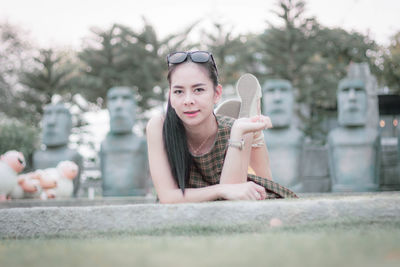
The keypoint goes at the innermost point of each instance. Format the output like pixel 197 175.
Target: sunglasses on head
pixel 195 56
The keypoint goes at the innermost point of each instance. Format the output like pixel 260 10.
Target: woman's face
pixel 192 93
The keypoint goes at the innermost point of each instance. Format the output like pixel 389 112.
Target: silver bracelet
pixel 236 144
pixel 261 144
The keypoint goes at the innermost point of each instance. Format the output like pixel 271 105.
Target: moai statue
pixel 361 71
pixel 284 140
pixel 354 148
pixel 57 124
pixel 123 155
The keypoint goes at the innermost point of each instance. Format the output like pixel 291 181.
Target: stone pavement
pixel 115 216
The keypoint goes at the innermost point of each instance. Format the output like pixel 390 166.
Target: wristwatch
pixel 238 144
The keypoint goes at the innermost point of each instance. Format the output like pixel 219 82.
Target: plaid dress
pixel 206 169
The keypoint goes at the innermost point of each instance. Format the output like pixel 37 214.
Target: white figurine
pixel 48 179
pixel 11 163
pixel 28 187
pixel 67 171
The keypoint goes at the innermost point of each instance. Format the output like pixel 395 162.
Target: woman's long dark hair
pixel 174 134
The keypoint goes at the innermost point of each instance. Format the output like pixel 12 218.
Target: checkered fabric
pixel 206 169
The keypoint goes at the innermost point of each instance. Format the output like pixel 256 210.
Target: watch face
pixel 237 144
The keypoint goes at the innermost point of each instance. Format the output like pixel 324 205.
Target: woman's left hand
pixel 254 124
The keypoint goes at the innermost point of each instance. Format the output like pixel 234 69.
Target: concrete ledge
pixel 92 220
pixel 75 202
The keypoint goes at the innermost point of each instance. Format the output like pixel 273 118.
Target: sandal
pixel 249 90
pixel 230 108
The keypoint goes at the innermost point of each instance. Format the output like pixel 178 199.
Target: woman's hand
pixel 243 191
pixel 254 124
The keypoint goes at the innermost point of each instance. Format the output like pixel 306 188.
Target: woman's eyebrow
pixel 198 84
pixel 193 86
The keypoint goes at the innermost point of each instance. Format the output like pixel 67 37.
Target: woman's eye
pixel 198 90
pixel 177 92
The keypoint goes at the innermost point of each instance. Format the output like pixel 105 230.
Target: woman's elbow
pixel 172 198
pixel 165 200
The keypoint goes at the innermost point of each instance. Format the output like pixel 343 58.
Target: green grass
pixel 324 244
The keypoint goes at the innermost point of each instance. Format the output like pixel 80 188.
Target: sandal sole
pixel 249 90
pixel 230 108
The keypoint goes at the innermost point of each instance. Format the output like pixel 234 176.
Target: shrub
pixel 15 135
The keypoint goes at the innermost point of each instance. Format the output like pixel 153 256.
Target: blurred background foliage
pixel 313 57
pixel 15 135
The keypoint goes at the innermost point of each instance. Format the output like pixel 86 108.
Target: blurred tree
pixel 52 79
pixel 234 55
pixel 286 54
pixel 100 67
pixel 288 48
pixel 15 56
pixel 120 56
pixel 15 135
pixel 334 50
pixel 314 58
pixel 391 64
pixel 51 74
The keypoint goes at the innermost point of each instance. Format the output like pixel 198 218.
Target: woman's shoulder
pixel 155 123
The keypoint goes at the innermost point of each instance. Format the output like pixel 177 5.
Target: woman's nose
pixel 188 99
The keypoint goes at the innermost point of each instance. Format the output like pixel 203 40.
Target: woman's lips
pixel 191 113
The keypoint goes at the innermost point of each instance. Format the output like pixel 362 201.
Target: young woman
pixel 195 155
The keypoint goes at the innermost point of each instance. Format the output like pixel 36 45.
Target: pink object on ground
pixel 275 222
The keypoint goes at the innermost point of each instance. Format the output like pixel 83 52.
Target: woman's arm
pixel 259 161
pixel 166 187
pixel 237 161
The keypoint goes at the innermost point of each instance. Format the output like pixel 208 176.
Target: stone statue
pixel 361 71
pixel 284 140
pixel 123 155
pixel 57 124
pixel 354 148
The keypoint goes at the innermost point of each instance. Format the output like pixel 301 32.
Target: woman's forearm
pixel 240 191
pixel 237 160
pixel 259 162
pixel 202 194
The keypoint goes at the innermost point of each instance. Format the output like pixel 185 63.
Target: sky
pixel 53 23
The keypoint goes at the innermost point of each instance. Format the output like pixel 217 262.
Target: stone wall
pixel 390 169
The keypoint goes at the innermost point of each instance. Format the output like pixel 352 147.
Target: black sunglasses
pixel 195 56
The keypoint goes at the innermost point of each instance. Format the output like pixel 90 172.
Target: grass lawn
pixel 325 244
